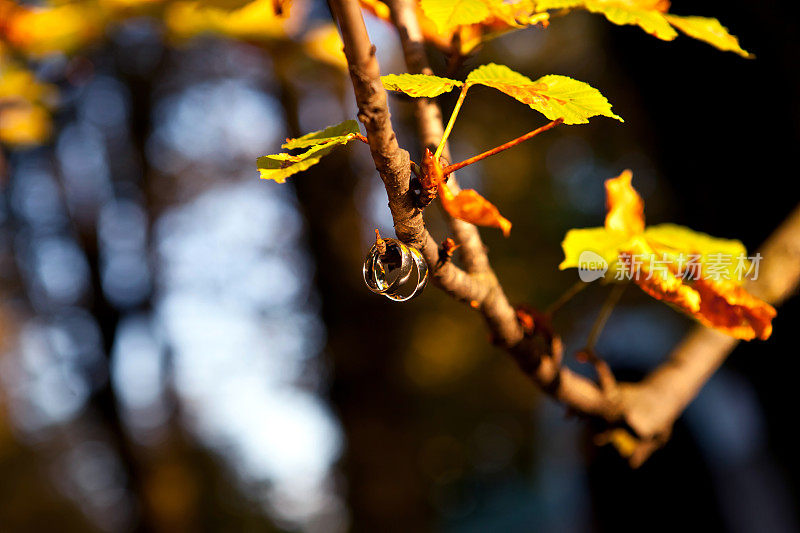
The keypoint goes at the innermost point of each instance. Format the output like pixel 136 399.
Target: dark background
pixel 231 373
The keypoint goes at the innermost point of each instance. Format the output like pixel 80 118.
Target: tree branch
pixel 648 409
pixel 652 406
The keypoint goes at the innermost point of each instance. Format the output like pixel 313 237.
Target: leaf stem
pixel 510 144
pixel 567 296
pixel 452 121
pixel 602 316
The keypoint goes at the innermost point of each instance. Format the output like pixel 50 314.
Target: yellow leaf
pixel 625 206
pixel 62 28
pixel 338 134
pixel 651 257
pixel 324 44
pixel 224 5
pixel 278 167
pixel 601 241
pixel 24 124
pixel 448 14
pixel 419 85
pixel 652 17
pixel 553 96
pixel 711 31
pixel 626 12
pixel 679 241
pixel 257 20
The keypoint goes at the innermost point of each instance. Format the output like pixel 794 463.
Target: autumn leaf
pixel 601 241
pixel 553 96
pixel 324 44
pixel 419 85
pixel 24 124
pixel 502 17
pixel 654 258
pixel 256 20
pixel 471 207
pixel 43 30
pixel 449 14
pixel 711 31
pixel 652 17
pixel 225 5
pixel 625 206
pixel 337 134
pixel 278 167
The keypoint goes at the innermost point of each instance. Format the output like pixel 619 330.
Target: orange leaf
pixel 471 207
pixel 718 304
pixel 625 206
pixel 732 310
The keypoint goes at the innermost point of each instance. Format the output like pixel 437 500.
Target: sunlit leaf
pixel 679 241
pixel 709 30
pixel 625 206
pixel 278 167
pixel 62 28
pixel 656 258
pixel 652 17
pixel 448 14
pixel 553 96
pixel 24 125
pixel 256 20
pixel 225 5
pixel 601 241
pixel 419 85
pixel 323 43
pixel 338 134
pixel 471 207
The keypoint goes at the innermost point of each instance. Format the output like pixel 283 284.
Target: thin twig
pixel 602 316
pixel 505 146
pixel 568 295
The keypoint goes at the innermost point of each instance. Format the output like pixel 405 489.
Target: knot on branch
pixel 539 342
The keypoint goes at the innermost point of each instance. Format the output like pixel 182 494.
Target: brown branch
pixel 652 406
pixel 430 127
pixel 479 288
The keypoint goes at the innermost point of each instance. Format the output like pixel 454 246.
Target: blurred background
pixel 184 347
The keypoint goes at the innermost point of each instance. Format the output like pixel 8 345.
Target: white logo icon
pixel 591 266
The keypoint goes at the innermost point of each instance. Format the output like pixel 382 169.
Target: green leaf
pixel 601 241
pixel 419 85
pixel 675 240
pixel 553 96
pixel 278 167
pixel 338 134
pixel 711 31
pixel 448 14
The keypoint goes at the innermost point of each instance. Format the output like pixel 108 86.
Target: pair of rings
pixel 400 274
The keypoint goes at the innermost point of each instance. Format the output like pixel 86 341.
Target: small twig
pixel 510 144
pixel 361 138
pixel 568 295
pixel 380 243
pixel 602 316
pixel 447 250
